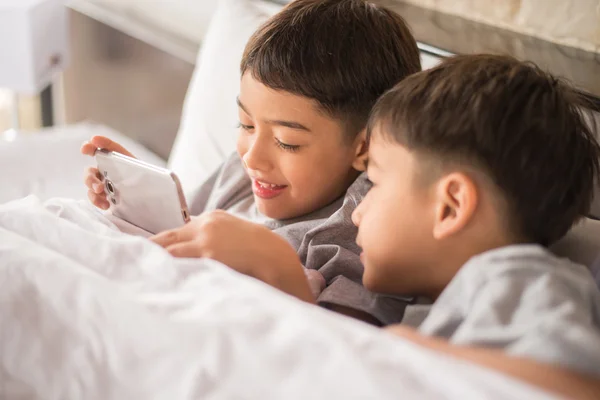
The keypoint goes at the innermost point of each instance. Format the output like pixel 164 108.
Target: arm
pixel 266 256
pixel 259 253
pixel 561 381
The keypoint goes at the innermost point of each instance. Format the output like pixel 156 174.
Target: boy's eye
pixel 245 127
pixel 287 147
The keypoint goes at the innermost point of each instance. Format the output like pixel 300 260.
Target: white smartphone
pixel 142 194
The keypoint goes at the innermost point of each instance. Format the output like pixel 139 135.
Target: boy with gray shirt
pixel 307 87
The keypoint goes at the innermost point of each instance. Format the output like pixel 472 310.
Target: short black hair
pixel 524 128
pixel 343 54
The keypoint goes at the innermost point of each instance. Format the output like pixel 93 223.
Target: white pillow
pixel 208 125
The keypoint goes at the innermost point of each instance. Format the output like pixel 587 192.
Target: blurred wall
pixel 124 83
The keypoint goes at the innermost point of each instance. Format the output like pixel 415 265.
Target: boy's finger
pixel 88 149
pixel 167 238
pixel 94 184
pixel 93 179
pixel 102 142
pixel 98 188
pixel 189 249
pixel 98 201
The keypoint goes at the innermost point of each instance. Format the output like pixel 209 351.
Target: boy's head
pixel 310 77
pixel 480 152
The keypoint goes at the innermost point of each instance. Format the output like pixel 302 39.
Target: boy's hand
pixel 92 178
pixel 404 331
pixel 244 246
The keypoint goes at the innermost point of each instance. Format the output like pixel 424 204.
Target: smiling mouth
pixel 266 190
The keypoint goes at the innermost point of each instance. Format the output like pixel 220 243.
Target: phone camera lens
pixel 110 187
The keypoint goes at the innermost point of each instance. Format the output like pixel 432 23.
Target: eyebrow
pixel 289 124
pixel 240 105
pixel 286 124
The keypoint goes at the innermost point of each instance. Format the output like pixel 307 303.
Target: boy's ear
pixel 456 202
pixel 361 154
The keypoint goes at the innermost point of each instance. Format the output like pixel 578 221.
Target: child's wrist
pixel 285 272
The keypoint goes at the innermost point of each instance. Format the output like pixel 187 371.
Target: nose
pixel 357 214
pixel 256 156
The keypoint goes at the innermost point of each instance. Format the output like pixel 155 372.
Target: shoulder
pixel 228 185
pixel 523 261
pixel 329 228
pixel 523 270
pixel 233 165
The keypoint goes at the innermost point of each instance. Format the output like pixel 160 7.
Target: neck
pixel 458 251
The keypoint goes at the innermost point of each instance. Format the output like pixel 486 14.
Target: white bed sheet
pixel 48 163
pixel 90 313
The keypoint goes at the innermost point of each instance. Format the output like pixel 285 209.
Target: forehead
pixel 259 98
pixel 264 103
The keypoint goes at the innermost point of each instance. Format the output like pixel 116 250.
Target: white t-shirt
pixel 524 300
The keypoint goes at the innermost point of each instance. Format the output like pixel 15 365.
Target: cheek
pixel 299 173
pixel 381 262
pixel 380 229
pixel 373 227
pixel 319 170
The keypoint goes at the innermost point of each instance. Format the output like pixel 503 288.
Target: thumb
pixel 105 143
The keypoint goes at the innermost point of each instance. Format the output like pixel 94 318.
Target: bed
pixel 109 316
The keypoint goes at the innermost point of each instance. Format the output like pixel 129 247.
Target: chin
pixel 379 283
pixel 271 212
pixel 370 281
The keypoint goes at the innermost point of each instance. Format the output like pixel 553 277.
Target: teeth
pixel 267 185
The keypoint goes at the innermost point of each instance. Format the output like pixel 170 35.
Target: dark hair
pixel 521 126
pixel 343 54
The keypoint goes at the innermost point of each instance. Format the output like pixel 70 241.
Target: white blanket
pixel 87 312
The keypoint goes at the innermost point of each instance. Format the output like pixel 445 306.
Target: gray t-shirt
pixel 323 239
pixel 522 299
